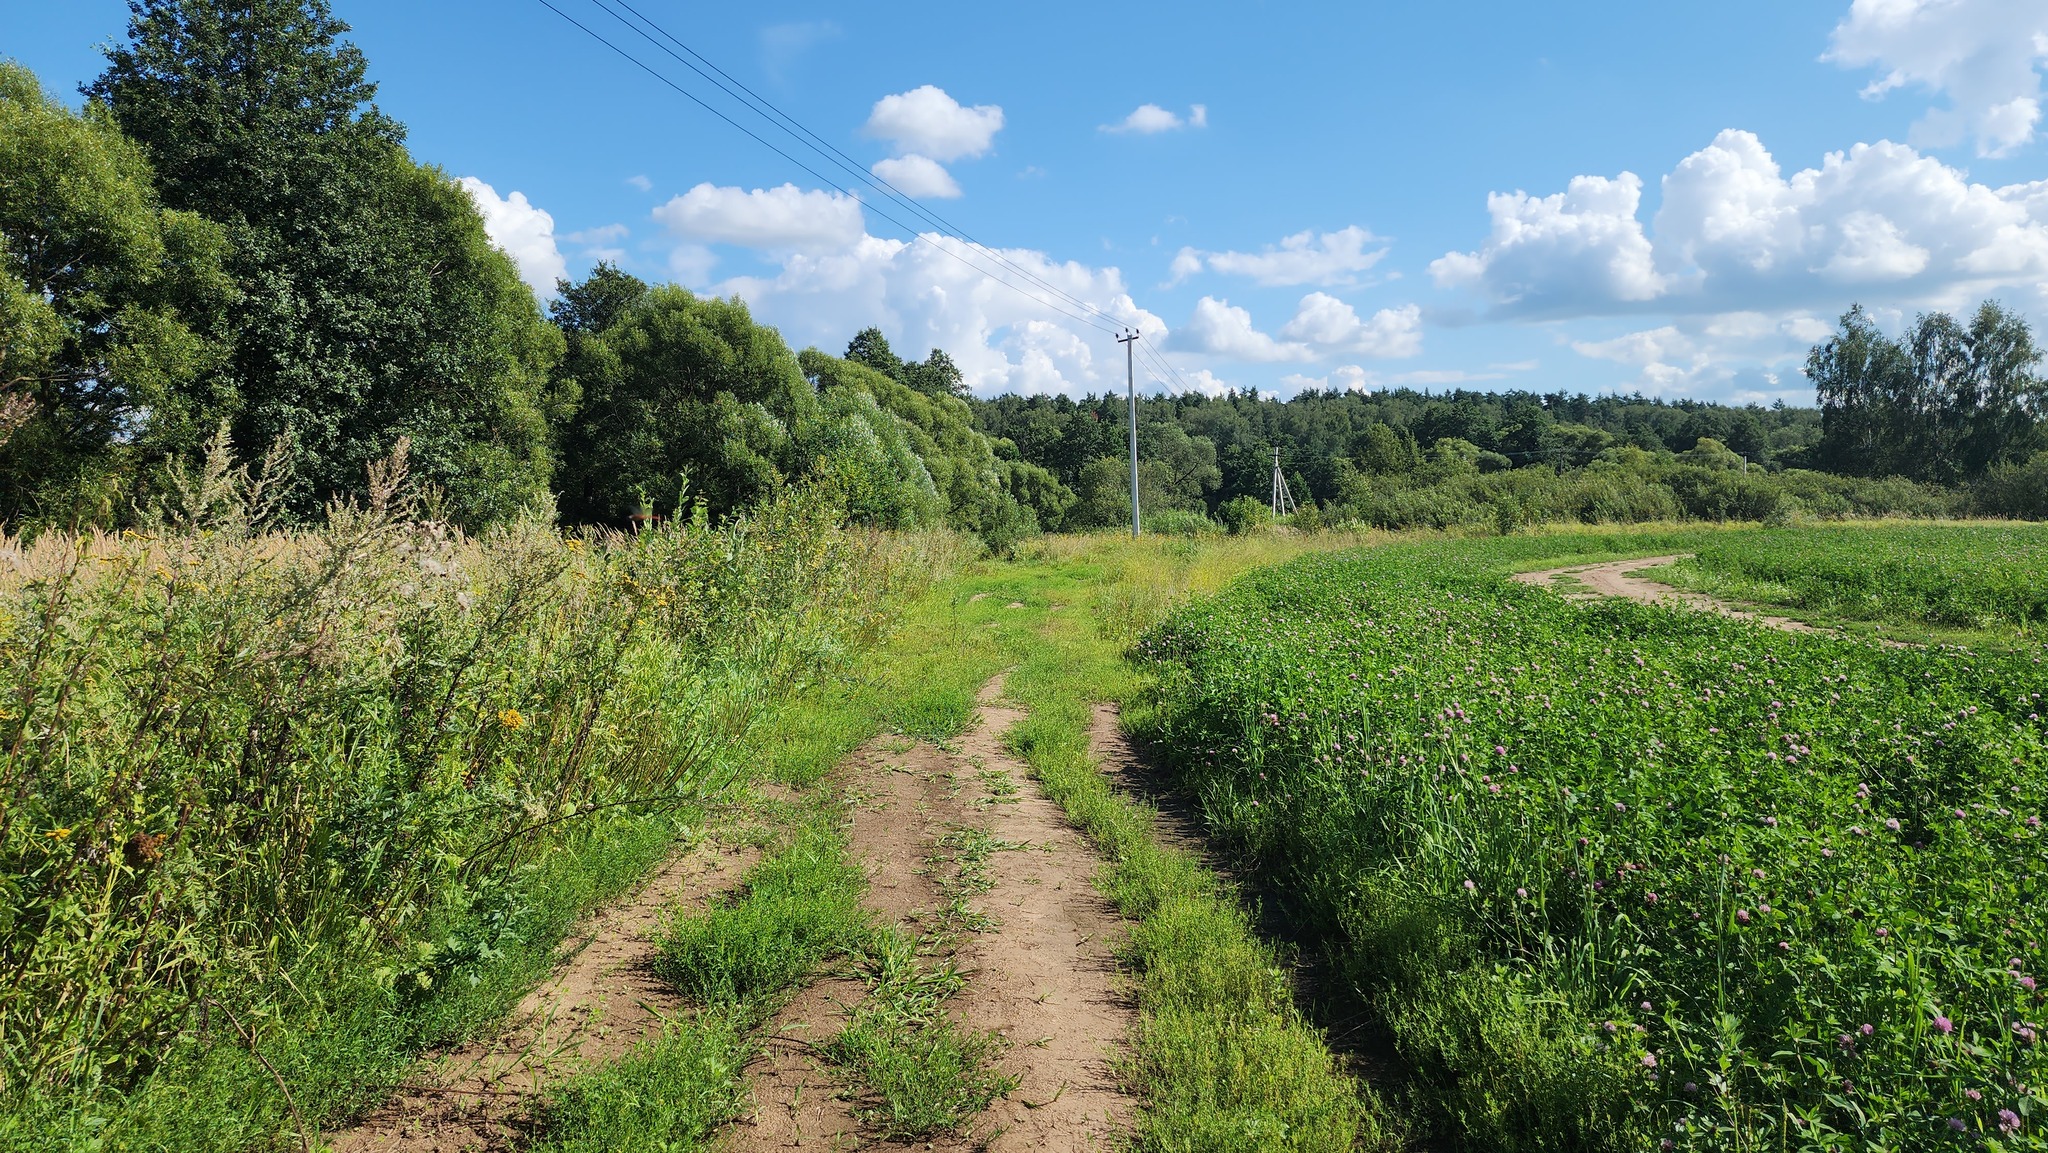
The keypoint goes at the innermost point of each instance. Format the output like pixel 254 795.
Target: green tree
pixel 1947 402
pixel 1385 451
pixel 110 312
pixel 375 305
pixel 681 394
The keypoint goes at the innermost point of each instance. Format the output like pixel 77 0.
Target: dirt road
pixel 1619 579
pixel 1041 970
pixel 1034 938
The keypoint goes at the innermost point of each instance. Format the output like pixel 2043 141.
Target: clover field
pixel 1608 875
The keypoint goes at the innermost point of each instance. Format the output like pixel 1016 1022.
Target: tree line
pixel 1947 419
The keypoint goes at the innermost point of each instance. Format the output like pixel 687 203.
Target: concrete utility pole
pixel 1283 500
pixel 1130 343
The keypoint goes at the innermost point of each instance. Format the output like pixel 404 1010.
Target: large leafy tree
pixel 376 307
pixel 1946 402
pixel 110 312
pixel 680 395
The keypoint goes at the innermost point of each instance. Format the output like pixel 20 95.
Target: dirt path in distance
pixel 601 1000
pixel 1619 579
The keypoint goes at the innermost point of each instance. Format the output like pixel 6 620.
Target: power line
pixel 1168 374
pixel 914 234
pixel 766 109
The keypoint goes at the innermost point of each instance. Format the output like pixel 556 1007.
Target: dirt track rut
pixel 602 1000
pixel 1043 976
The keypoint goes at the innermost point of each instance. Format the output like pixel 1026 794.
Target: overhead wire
pixel 1159 366
pixel 915 235
pixel 766 109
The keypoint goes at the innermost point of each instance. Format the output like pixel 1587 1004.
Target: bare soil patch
pixel 1619 579
pixel 901 803
pixel 602 999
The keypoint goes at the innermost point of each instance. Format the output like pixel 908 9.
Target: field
pixel 1613 876
pixel 1986 576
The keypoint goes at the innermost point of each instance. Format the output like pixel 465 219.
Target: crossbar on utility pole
pixel 1130 343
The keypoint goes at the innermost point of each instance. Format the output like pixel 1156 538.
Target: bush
pixel 1181 522
pixel 1244 515
pixel 2017 490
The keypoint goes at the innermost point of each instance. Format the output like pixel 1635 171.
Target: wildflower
pixel 1646 1007
pixel 1649 1060
pixel 511 718
pixel 1771 822
pixel 1974 1094
pixel 2027 983
pixel 1692 1086
pixel 1892 824
pixel 1956 1123
pixel 1649 898
pixel 2008 1121
pixel 1846 1043
pixel 1522 894
pixel 1867 1030
pixel 1500 750
pixel 1883 932
pixel 1470 887
pixel 1857 830
pixel 1742 915
pixel 1944 1026
pixel 58 834
pixel 1961 815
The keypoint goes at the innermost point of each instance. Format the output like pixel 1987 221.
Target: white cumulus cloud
pixel 1575 247
pixel 1220 328
pixel 773 219
pixel 918 176
pixel 924 296
pixel 524 232
pixel 1148 119
pixel 1327 259
pixel 928 122
pixel 1878 222
pixel 1983 55
pixel 1332 325
pixel 1740 357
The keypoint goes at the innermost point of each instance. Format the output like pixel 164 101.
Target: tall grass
pixel 260 784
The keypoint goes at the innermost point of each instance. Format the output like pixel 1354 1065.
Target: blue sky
pixel 1676 199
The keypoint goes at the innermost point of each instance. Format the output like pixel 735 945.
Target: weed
pixel 918 1073
pixel 795 910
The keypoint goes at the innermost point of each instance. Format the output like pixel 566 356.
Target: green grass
pixel 669 1095
pixel 1223 1060
pixel 915 1071
pixel 795 909
pixel 1946 581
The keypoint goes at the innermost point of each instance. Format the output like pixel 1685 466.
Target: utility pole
pixel 1283 500
pixel 1130 343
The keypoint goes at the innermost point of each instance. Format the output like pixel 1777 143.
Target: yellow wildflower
pixel 58 834
pixel 511 718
